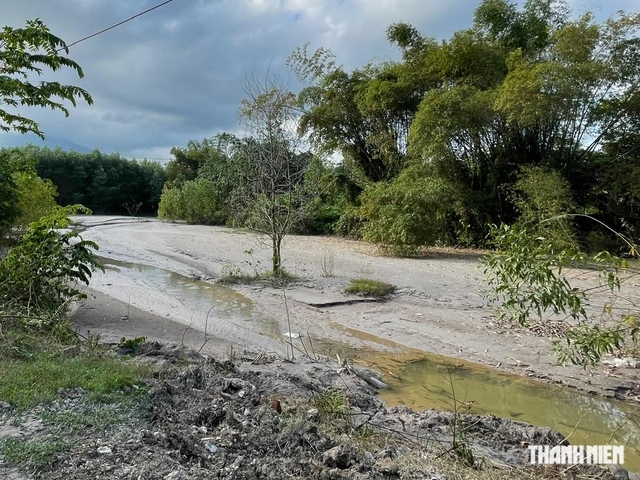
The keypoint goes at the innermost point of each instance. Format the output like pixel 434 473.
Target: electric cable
pixel 115 25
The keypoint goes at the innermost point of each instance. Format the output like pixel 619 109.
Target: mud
pixel 438 306
pixel 265 418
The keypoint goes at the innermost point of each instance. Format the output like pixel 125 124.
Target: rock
pixel 618 473
pixel 368 459
pixel 175 475
pixel 211 448
pixel 621 362
pixel 387 467
pixel 5 406
pixel 342 456
pixel 105 450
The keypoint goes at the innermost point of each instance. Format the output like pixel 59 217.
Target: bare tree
pixel 278 196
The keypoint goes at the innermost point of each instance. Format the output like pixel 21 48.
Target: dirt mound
pixel 273 419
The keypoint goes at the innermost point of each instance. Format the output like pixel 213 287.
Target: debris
pixel 211 448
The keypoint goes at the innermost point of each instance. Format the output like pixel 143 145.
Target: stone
pixel 342 456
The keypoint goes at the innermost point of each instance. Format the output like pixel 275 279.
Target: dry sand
pixel 438 307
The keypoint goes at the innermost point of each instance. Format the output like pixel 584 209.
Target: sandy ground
pixel 438 307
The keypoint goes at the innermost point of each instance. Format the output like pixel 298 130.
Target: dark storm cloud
pixel 176 73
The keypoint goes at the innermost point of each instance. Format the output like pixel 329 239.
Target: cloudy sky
pixel 176 73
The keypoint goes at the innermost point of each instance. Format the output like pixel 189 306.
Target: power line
pixel 115 25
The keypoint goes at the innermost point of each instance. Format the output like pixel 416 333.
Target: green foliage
pixel 196 201
pixel 38 276
pixel 103 183
pixel 25 196
pixel 413 210
pixel 543 198
pixel 131 343
pixel 9 197
pixel 365 114
pixel 333 408
pixel 527 94
pixel 25 383
pixel 587 344
pixel 36 198
pixel 525 276
pixel 171 205
pixel 24 52
pixel 366 287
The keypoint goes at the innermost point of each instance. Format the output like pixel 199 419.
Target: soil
pixel 438 306
pixel 263 417
pixel 258 415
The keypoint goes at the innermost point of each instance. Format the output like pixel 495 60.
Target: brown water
pixel 420 380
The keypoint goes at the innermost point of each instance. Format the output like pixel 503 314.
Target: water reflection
pixel 585 419
pixel 423 381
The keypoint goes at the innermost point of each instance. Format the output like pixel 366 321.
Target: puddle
pixel 197 294
pixel 423 381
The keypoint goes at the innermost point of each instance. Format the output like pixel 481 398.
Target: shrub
pixel 38 275
pixel 543 198
pixel 370 288
pixel 195 201
pixel 413 210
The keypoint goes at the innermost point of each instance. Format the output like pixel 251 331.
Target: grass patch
pixel 366 287
pixel 68 422
pixel 234 275
pixel 25 383
pixel 119 408
pixel 35 452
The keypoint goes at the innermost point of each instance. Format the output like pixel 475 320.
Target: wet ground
pixel 439 308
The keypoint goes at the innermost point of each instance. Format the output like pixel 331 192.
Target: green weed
pixel 370 288
pixel 25 383
pixel 36 452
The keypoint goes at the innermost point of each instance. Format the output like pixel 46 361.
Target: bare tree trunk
pixel 276 254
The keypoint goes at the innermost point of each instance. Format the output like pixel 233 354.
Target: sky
pixel 176 74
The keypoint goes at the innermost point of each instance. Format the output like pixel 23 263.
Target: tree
pixel 24 52
pixel 275 194
pixel 102 182
pixel 364 114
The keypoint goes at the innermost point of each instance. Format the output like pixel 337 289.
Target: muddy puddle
pixel 420 380
pixel 196 294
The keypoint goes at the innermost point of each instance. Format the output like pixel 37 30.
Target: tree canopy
pixel 521 87
pixel 25 53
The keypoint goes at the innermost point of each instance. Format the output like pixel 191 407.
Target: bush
pixel 413 210
pixel 36 198
pixel 170 207
pixel 543 198
pixel 195 201
pixel 38 275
